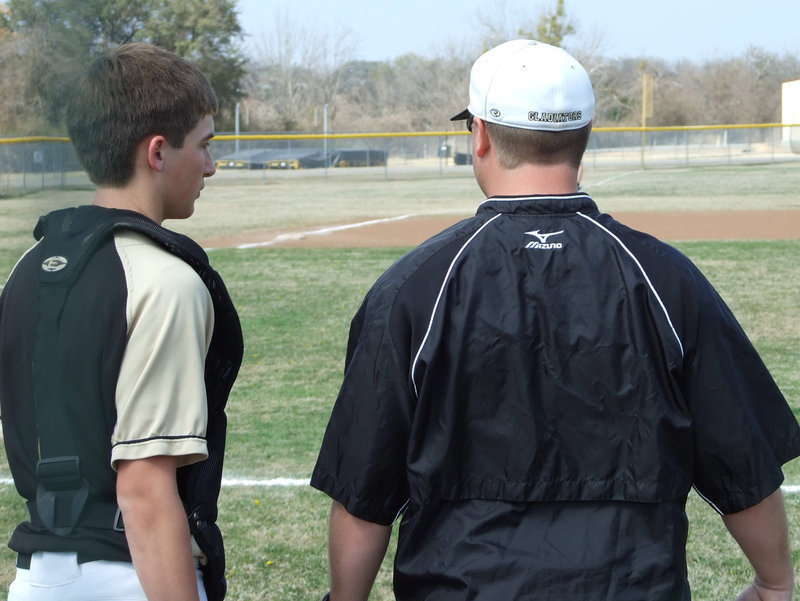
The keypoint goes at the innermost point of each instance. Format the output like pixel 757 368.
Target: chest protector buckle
pixel 61 494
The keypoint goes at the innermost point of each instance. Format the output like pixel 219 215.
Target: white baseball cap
pixel 531 85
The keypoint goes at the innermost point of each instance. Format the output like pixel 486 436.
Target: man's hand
pixel 755 592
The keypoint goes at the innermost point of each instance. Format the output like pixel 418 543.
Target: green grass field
pixel 296 304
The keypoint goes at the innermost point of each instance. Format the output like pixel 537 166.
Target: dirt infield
pixel 409 231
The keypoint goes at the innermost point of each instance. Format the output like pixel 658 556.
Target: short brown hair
pixel 133 92
pixel 515 145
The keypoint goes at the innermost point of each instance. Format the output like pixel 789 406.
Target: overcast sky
pixel 693 29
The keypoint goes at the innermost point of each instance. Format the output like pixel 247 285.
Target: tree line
pixel 296 76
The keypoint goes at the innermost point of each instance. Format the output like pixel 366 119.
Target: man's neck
pixel 530 179
pixel 130 198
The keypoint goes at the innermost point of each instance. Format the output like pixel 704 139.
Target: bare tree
pixel 297 70
pixel 497 25
pixel 740 89
pixel 17 115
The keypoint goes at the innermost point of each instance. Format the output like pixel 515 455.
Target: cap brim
pixel 461 116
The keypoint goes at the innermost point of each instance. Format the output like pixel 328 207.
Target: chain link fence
pixel 38 163
pixel 32 164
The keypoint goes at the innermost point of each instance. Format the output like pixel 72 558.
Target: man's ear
pixel 480 137
pixel 156 145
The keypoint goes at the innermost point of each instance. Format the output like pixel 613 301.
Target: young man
pixel 537 388
pixel 118 348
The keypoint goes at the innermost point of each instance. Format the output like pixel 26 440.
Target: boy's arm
pixel 156 528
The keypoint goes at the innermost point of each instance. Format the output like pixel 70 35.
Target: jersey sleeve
pixel 161 396
pixel 744 428
pixel 362 462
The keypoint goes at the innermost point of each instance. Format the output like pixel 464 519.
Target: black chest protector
pixel 69 238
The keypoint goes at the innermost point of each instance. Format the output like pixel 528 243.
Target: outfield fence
pixel 34 163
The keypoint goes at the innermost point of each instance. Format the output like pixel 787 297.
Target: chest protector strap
pixel 62 492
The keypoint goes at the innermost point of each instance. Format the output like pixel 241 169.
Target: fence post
pixel 686 144
pixel 24 170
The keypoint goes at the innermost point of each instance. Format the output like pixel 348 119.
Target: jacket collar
pixel 539 204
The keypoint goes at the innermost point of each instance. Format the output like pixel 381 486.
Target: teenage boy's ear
pixel 156 147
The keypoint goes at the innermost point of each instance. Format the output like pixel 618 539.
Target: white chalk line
pixel 789 489
pixel 286 482
pixel 612 178
pixel 319 232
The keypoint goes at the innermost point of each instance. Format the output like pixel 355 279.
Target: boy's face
pixel 188 167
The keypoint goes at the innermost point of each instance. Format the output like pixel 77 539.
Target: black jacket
pixel 536 390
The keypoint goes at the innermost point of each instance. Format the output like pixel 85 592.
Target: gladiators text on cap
pixel 531 85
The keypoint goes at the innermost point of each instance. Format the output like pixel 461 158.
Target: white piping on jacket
pixel 644 273
pixel 439 297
